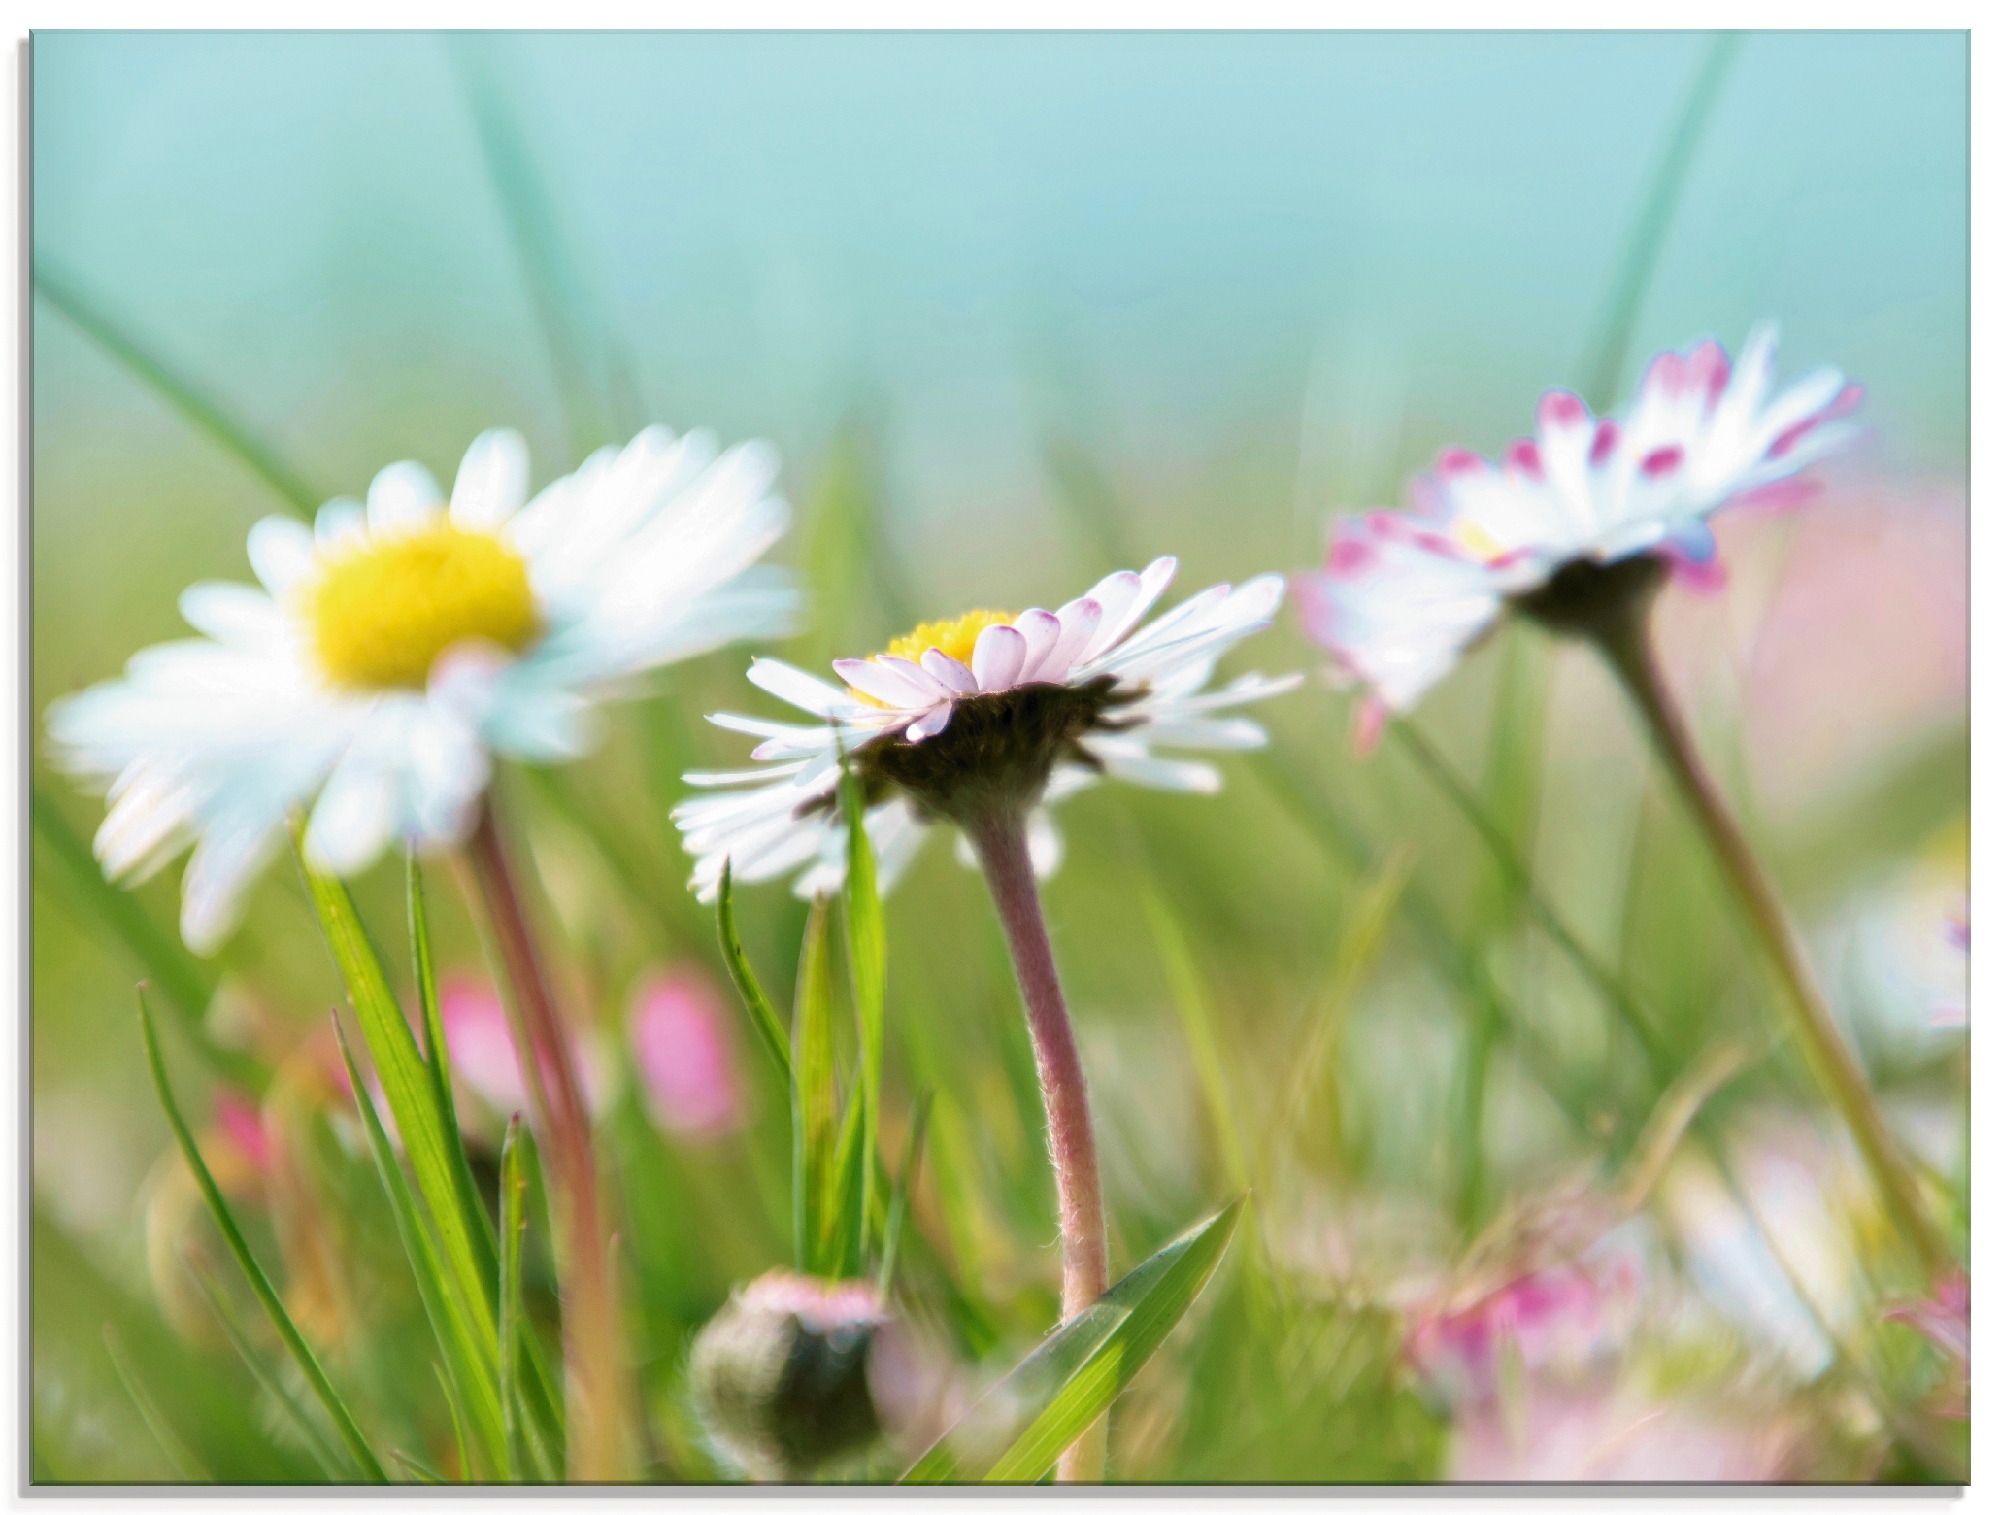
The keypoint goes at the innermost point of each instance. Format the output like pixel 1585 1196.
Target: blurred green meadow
pixel 1019 309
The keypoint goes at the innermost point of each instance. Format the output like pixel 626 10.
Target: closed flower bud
pixel 781 1374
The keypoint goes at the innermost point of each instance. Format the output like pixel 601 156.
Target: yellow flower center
pixel 1477 538
pixel 955 639
pixel 382 611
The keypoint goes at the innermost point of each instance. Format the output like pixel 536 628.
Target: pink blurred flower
pixel 1551 1320
pixel 241 1124
pixel 481 1043
pixel 686 1061
pixel 1945 1316
pixel 1611 1437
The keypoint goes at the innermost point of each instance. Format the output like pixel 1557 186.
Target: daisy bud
pixel 781 1374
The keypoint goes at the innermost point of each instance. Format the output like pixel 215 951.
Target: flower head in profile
pixel 989 712
pixel 394 649
pixel 1586 507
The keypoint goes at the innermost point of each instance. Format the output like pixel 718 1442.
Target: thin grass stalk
pixel 1001 840
pixel 592 1350
pixel 1626 645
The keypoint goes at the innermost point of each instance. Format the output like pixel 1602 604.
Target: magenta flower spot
pixel 1349 555
pixel 481 1042
pixel 1661 462
pixel 1548 1318
pixel 1668 375
pixel 242 1126
pixel 1456 460
pixel 1604 443
pixel 1708 369
pixel 682 1049
pixel 1525 458
pixel 1560 408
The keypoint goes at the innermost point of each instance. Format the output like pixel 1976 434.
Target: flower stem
pixel 1624 641
pixel 593 1369
pixel 1001 840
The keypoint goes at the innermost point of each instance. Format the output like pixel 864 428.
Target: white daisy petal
pixel 492 481
pixel 339 523
pixel 281 551
pixel 1039 632
pixel 402 495
pixel 948 671
pixel 233 613
pixel 1080 620
pixel 997 657
pixel 798 688
pixel 886 683
pixel 929 724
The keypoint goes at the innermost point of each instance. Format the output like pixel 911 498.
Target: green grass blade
pixel 867 961
pixel 1018 1430
pixel 844 1221
pixel 457 1412
pixel 321 1450
pixel 1611 335
pixel 771 1033
pixel 1190 1263
pixel 179 1455
pixel 1197 1018
pixel 513 1228
pixel 417 1468
pixel 467 1383
pixel 323 1390
pixel 899 1200
pixel 167 965
pixel 429 1139
pixel 63 292
pixel 582 351
pixel 813 1094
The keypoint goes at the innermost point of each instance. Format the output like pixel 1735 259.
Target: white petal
pixel 226 859
pixel 1161 773
pixel 1039 630
pixel 1045 843
pixel 233 613
pixel 351 823
pixel 492 480
pixel 281 549
pixel 1219 736
pixel 403 494
pixel 799 688
pixel 997 657
pixel 723 778
pixel 888 684
pixel 1080 620
pixel 915 673
pixel 338 521
pixel 949 672
pixel 930 723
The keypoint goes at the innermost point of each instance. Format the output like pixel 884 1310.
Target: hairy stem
pixel 1624 641
pixel 592 1354
pixel 1001 841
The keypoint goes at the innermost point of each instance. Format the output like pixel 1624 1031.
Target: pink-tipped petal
pixel 997 657
pixel 948 671
pixel 1039 630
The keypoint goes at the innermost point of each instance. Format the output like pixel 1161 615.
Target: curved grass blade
pixel 180 1456
pixel 867 964
pixel 537 1384
pixel 813 1093
pixel 1018 1430
pixel 451 1404
pixel 417 1468
pixel 515 1153
pixel 771 1033
pixel 62 291
pixel 467 1385
pixel 1612 335
pixel 1197 1017
pixel 899 1200
pixel 322 1451
pixel 323 1390
pixel 429 1137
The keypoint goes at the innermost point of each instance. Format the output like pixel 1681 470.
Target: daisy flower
pixel 1403 595
pixel 987 712
pixel 394 649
